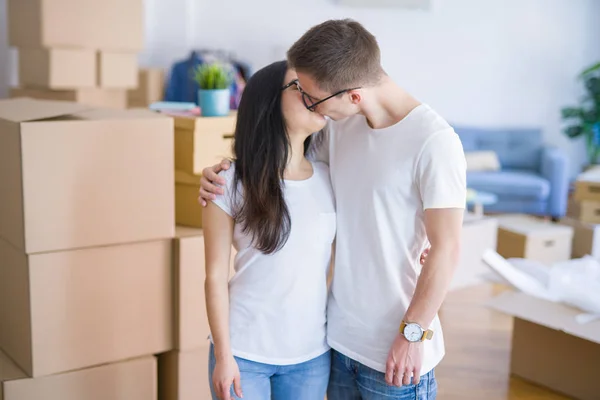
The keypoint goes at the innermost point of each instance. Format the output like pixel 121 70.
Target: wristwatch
pixel 414 333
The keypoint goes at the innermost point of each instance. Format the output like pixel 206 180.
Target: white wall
pixel 483 63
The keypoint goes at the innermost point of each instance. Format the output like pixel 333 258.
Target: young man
pixel 398 174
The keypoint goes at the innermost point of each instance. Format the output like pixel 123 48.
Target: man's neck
pixel 389 104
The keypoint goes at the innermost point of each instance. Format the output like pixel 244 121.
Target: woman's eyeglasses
pixel 309 102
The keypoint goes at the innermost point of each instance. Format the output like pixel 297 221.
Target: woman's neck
pixel 298 167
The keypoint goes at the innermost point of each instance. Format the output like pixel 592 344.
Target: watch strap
pixel 427 335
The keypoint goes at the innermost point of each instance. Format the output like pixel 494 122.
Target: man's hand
pixel 424 255
pixel 404 362
pixel 209 181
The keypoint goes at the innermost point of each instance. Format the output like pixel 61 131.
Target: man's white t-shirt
pixel 383 181
pixel 277 302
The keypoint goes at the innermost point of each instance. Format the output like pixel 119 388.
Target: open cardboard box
pixel 75 177
pixel 550 348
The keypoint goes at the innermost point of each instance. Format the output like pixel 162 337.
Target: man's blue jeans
pixel 351 380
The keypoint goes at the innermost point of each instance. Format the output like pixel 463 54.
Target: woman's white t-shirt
pixel 277 302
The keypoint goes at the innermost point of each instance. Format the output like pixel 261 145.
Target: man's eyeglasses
pixel 309 102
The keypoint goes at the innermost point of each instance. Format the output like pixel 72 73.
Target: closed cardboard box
pixel 117 70
pixel 128 380
pixel 151 87
pixel 57 68
pixel 587 185
pixel 188 212
pixel 183 375
pixel 586 238
pixel 73 178
pixel 585 211
pixel 191 321
pixel 92 24
pixel 63 311
pixel 202 142
pixel 94 97
pixel 550 348
pixel 478 235
pixel 522 236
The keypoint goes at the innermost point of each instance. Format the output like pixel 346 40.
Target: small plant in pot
pixel 584 120
pixel 214 81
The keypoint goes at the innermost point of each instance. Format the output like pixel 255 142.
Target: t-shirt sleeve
pixel 441 172
pixel 319 147
pixel 226 200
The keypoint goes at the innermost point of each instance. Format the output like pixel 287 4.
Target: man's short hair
pixel 338 54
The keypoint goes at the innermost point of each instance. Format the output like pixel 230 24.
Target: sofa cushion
pixel 516 148
pixel 482 161
pixel 517 184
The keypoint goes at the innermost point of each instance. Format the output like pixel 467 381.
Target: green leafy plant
pixel 213 76
pixel 584 120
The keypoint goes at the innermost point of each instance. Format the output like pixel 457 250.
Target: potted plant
pixel 584 120
pixel 214 81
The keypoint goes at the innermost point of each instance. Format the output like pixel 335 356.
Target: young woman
pixel 268 323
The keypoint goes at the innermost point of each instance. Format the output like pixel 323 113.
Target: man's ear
pixel 355 96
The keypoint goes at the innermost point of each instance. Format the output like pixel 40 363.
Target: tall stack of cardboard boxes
pixel 86 230
pixel 151 87
pixel 583 214
pixel 77 50
pixel 183 372
pixel 199 142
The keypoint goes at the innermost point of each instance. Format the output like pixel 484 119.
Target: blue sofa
pixel 533 178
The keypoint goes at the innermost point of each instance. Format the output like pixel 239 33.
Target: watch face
pixel 413 332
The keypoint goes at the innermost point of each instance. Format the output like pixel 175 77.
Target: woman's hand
pixel 225 374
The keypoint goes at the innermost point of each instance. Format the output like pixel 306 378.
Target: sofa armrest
pixel 555 168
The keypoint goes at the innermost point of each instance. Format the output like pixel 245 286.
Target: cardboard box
pixel 92 24
pixel 585 211
pixel 550 348
pixel 188 212
pixel 94 97
pixel 57 68
pixel 521 236
pixel 128 380
pixel 587 187
pixel 478 235
pixel 63 311
pixel 586 238
pixel 117 70
pixel 202 142
pixel 183 375
pixel 191 321
pixel 151 88
pixel 73 178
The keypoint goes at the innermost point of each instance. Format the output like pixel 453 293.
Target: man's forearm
pixel 433 284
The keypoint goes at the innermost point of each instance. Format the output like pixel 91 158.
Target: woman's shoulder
pixel 229 172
